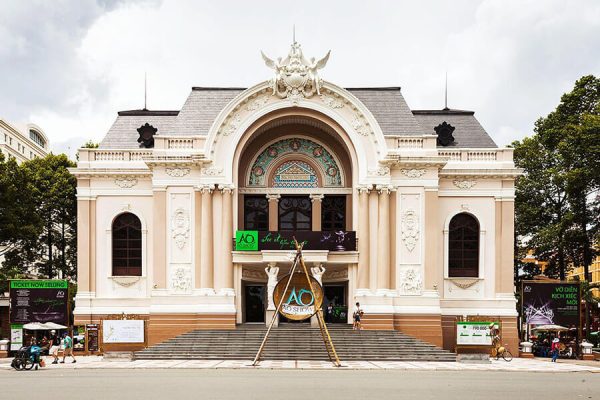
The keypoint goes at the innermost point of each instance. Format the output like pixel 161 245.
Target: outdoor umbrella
pixel 550 328
pixel 38 326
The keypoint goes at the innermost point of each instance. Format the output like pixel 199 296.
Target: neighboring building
pixel 428 195
pixel 22 142
pixel 577 273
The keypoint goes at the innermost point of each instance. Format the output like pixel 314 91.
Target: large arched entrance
pixel 294 173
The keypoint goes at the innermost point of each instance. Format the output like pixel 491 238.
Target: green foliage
pixel 557 211
pixel 90 144
pixel 38 218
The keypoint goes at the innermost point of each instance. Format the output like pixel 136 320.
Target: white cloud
pixel 508 60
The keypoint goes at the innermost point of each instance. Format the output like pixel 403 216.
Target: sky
pixel 70 65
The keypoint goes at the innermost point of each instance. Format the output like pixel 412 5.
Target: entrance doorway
pixel 335 294
pixel 254 296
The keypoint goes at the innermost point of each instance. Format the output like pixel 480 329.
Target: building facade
pixel 22 142
pixel 410 213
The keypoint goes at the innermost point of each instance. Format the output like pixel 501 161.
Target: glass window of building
pixel 463 247
pixel 256 213
pixel 333 213
pixel 127 245
pixel 37 138
pixel 295 213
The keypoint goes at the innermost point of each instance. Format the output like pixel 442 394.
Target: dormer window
pixel 444 132
pixel 147 133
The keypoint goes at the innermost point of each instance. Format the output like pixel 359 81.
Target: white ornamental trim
pixel 126 182
pixel 234 123
pixel 177 172
pixel 258 103
pixel 180 227
pixel 410 229
pixel 332 102
pixel 414 173
pixel 411 282
pixel 359 125
pixel 464 184
pixel 181 280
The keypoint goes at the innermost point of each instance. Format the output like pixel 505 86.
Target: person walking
pixel 329 313
pixel 555 349
pixel 68 351
pixel 54 346
pixel 358 313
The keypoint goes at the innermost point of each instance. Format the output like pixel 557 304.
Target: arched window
pixel 127 245
pixel 463 247
pixel 295 213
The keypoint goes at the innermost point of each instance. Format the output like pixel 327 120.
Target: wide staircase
pixel 294 342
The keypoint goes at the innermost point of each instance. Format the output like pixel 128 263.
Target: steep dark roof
pixel 468 132
pixel 123 133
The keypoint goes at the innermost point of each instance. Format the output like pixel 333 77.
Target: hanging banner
pixel 284 240
pixel 299 303
pixel 551 303
pixel 39 301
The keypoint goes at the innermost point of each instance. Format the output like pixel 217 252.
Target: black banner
pixel 313 240
pixel 92 337
pixel 551 303
pixel 39 301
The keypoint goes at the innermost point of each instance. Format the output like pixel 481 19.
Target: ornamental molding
pixel 258 103
pixel 464 184
pixel 295 77
pixel 360 125
pixel 234 122
pixel 177 172
pixel 410 229
pixel 464 284
pixel 181 280
pixel 180 227
pixel 381 171
pixel 332 102
pixel 126 182
pixel 335 275
pixel 411 282
pixel 213 171
pixel 126 281
pixel 413 172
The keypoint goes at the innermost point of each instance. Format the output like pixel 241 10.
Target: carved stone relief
pixel 411 282
pixel 177 172
pixel 126 182
pixel 258 103
pixel 272 271
pixel 464 184
pixel 381 171
pixel 336 275
pixel 359 125
pixel 317 272
pixel 252 274
pixel 234 123
pixel 413 173
pixel 180 227
pixel 332 102
pixel 213 171
pixel 181 279
pixel 410 229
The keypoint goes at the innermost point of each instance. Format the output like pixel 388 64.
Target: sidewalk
pixel 516 365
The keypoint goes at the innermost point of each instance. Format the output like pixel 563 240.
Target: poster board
pixel 16 337
pixel 92 337
pixel 39 300
pixel 551 303
pixel 122 331
pixel 474 333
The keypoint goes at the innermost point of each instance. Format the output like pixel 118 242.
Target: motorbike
pixel 27 358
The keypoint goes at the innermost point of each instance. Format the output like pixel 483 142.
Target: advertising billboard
pixel 556 303
pixel 284 240
pixel 39 301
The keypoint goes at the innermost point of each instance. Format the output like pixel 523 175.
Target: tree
pixel 557 199
pixel 52 190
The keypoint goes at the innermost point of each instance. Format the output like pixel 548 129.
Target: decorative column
pixel 159 207
pixel 433 267
pixel 272 271
pixel 197 235
pixel 273 211
pixel 316 200
pixel 217 230
pixel 206 243
pixel 373 230
pixel 383 241
pixel 83 245
pixel 226 286
pixel 93 245
pixel 363 241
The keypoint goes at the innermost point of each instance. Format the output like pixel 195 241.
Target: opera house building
pixel 186 218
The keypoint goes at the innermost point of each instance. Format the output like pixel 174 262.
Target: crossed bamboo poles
pixel 331 353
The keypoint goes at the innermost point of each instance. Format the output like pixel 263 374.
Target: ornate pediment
pixel 295 76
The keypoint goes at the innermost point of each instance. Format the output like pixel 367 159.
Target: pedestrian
pixel 54 346
pixel 329 313
pixel 357 314
pixel 555 348
pixel 68 351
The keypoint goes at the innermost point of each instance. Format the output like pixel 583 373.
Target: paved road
pixel 295 384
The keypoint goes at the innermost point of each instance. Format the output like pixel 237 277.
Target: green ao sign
pixel 246 240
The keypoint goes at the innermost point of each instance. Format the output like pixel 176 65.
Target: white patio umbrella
pixel 550 328
pixel 38 326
